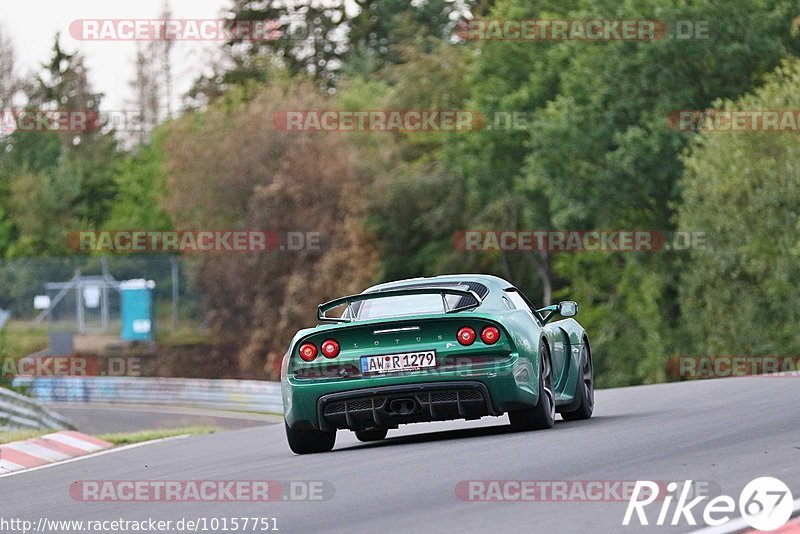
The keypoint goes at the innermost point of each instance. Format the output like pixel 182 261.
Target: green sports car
pixel 433 349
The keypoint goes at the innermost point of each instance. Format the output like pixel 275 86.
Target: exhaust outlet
pixel 402 406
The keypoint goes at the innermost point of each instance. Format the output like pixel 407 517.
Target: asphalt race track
pixel 726 432
pixel 97 418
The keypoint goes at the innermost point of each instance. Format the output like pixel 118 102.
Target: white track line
pixel 735 525
pixel 96 454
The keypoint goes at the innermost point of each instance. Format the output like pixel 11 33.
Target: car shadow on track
pixel 477 432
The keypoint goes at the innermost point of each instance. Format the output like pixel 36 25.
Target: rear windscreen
pixel 403 305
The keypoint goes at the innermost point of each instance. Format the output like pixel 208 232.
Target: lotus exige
pixel 433 349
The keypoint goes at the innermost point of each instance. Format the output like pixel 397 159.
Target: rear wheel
pixel 309 441
pixel 543 414
pixel 585 388
pixel 373 434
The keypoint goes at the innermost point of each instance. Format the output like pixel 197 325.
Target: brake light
pixel 330 348
pixel 308 352
pixel 490 335
pixel 466 336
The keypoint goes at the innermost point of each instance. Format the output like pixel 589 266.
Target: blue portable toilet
pixel 136 304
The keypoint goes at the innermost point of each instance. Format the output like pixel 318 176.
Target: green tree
pixel 322 39
pixel 41 208
pixel 743 191
pixel 64 85
pixel 604 142
pixel 140 183
pixel 596 153
pixel 54 181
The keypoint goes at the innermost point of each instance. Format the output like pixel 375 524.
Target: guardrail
pixel 223 394
pixel 18 411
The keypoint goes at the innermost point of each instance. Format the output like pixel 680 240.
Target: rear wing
pixel 349 315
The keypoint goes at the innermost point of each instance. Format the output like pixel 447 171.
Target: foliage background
pixel 596 153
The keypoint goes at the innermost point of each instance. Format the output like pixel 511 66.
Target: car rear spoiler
pixel 349 316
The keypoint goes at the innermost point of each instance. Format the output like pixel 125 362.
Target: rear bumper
pixel 390 406
pixel 468 394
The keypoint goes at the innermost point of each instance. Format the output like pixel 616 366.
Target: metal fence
pixel 90 304
pixel 18 411
pixel 239 395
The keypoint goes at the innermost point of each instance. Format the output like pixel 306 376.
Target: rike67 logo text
pixel 765 504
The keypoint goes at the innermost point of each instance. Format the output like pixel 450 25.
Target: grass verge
pixel 19 435
pixel 128 438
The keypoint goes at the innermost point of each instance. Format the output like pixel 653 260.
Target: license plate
pixel 395 363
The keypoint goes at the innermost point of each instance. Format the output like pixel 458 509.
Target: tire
pixel 542 415
pixel 308 441
pixel 585 388
pixel 373 434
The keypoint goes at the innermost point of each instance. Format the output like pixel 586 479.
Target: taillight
pixel 330 348
pixel 466 336
pixel 308 352
pixel 490 335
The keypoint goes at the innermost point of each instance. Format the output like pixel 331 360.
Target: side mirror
pixel 568 308
pixel 565 308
